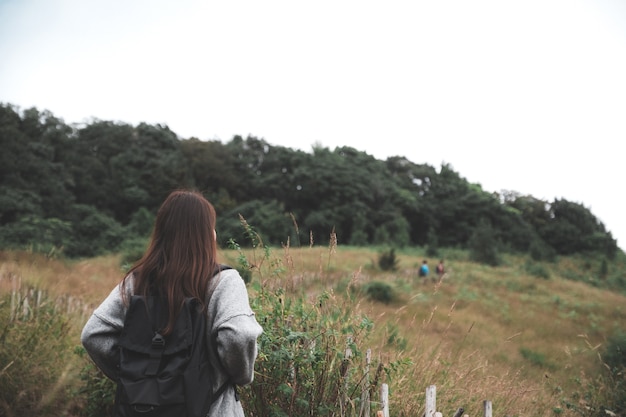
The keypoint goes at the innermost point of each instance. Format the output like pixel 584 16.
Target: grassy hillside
pixel 526 336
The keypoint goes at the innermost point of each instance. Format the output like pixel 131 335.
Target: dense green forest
pixel 92 188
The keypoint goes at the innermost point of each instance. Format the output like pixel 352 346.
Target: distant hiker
pixel 177 272
pixel 440 269
pixel 423 271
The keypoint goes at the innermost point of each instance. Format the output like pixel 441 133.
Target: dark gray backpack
pixel 164 375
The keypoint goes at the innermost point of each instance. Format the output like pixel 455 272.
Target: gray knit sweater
pixel 231 323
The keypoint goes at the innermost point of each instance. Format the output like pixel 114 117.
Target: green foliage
pixel 132 250
pixel 604 393
pixel 41 235
pixel 16 203
pixel 141 222
pixel 397 229
pixel 51 171
pixel 244 268
pixel 615 351
pixel 382 236
pixel 97 393
pixel 388 261
pixel 312 358
pixel 539 251
pixel 273 223
pixel 432 251
pixel 535 358
pixel 94 233
pixel 615 359
pixel 212 167
pixel 484 245
pixel 380 291
pixel 311 355
pixel 604 269
pixel 394 339
pixel 537 269
pixel 358 238
pixel 574 229
pixel 34 353
pixel 311 361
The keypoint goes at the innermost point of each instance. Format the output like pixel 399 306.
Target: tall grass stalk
pixel 36 366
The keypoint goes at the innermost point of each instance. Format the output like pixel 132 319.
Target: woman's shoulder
pixel 228 278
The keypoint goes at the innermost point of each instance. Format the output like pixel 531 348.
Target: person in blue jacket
pixel 423 271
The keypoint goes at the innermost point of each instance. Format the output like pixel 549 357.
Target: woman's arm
pixel 235 328
pixel 102 331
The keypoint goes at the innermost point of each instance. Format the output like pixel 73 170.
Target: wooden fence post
pixel 365 393
pixel 384 399
pixel 431 401
pixel 487 405
pixel 344 374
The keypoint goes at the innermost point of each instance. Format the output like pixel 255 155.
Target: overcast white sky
pixel 528 96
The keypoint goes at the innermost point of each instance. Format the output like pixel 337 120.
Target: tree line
pixel 92 188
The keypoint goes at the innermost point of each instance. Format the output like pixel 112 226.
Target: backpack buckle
pixel 158 341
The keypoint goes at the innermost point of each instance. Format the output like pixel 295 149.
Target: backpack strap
pixel 215 279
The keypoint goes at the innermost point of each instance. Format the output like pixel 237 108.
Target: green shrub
pixel 537 270
pixel 540 251
pixel 615 352
pixel 432 249
pixel 483 245
pixel 132 250
pixel 380 291
pixel 94 232
pixel 535 358
pixel 141 222
pixel 388 261
pixel 36 233
pixel 604 269
pixel 615 359
pixel 97 393
pixel 311 358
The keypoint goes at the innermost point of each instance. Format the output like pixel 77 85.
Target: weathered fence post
pixel 15 295
pixel 344 374
pixel 487 405
pixel 384 399
pixel 431 401
pixel 25 306
pixel 365 393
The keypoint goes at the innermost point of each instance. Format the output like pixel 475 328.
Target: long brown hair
pixel 182 254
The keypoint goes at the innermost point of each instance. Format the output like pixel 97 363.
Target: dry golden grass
pixel 497 333
pixel 91 279
pixel 482 333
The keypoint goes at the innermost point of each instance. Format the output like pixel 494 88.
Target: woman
pixel 180 262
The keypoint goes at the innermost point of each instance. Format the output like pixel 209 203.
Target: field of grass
pixel 528 337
